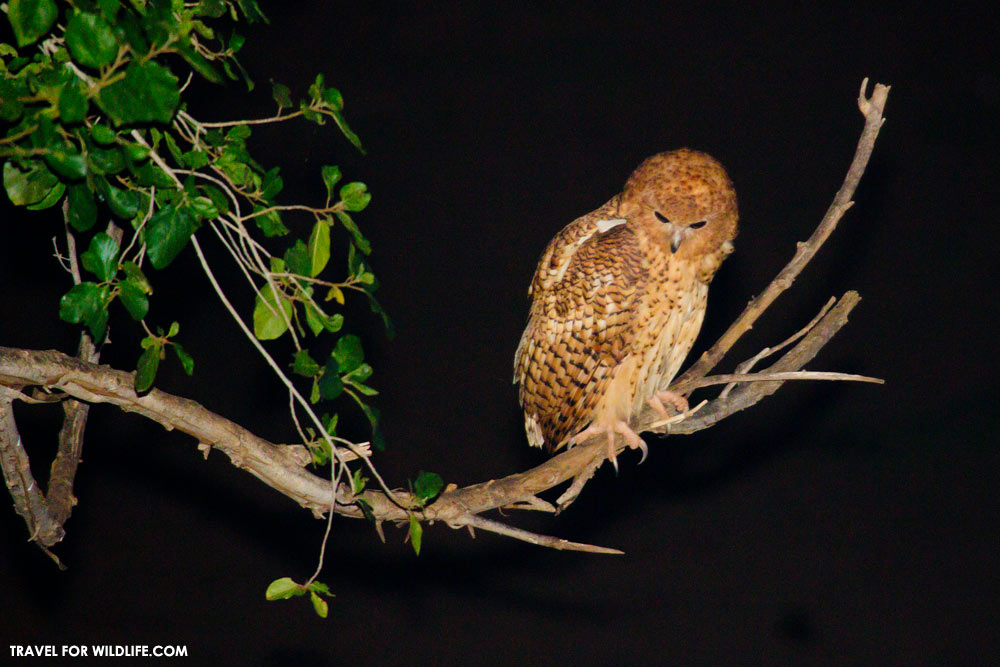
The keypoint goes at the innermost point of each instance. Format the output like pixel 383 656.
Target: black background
pixel 829 524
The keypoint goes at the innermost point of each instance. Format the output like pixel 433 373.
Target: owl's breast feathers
pixel 607 315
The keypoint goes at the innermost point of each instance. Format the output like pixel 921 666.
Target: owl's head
pixel 683 197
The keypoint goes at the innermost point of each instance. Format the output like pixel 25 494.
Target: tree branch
pixel 28 499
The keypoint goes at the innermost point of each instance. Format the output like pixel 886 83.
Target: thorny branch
pixel 283 467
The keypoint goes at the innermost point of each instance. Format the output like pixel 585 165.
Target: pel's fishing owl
pixel 618 299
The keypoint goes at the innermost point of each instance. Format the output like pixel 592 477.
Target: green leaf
pixel 304 364
pixel 137 153
pixel 146 367
pixel 103 135
pixel 363 388
pixel 358 481
pixel 187 361
pixel 252 11
pixel 196 159
pixel 297 258
pixel 215 194
pixel 87 303
pixel 359 240
pixel 268 321
pixel 166 234
pixel 319 448
pixel 271 184
pixel 283 589
pixel 236 42
pixel 361 373
pixel 70 165
pixel 175 328
pixel 427 486
pixel 204 208
pixel 319 604
pixel 11 90
pixel 336 294
pixel 376 307
pixel 106 160
pixel 331 175
pixel 334 99
pixel 148 174
pixel 148 93
pixel 109 8
pixel 319 248
pixel 330 423
pixel 355 196
pixel 320 588
pixel 378 441
pixel 330 385
pixel 341 122
pixel 316 89
pixel 82 208
pixel 172 146
pixel 366 509
pixel 123 203
pixel 239 133
pixel 348 353
pixel 199 63
pixel 317 322
pixel 31 19
pixel 416 534
pixel 50 200
pixel 90 40
pixel 134 298
pixel 136 275
pixel 72 104
pixel 130 27
pixel 270 223
pixel 101 258
pixel 355 263
pixel 281 94
pixel 28 187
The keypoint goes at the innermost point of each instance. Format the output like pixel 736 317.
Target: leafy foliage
pixel 286 588
pixel 93 117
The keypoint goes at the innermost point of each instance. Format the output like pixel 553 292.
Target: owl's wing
pixel 579 329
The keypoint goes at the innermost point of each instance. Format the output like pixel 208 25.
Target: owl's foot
pixel 632 439
pixel 678 402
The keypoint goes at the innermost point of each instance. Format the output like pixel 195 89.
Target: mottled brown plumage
pixel 618 298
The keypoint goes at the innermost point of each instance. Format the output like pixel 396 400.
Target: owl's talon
pixel 632 439
pixel 678 402
pixel 612 455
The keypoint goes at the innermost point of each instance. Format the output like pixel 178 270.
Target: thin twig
pixel 492 526
pixel 791 375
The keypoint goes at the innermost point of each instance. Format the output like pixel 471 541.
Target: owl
pixel 618 298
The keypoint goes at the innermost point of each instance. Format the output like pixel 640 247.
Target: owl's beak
pixel 676 238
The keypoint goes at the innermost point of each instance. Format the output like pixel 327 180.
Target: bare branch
pixel 28 499
pixel 872 108
pixel 534 538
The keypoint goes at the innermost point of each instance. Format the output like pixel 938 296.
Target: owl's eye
pixel 661 217
pixel 698 225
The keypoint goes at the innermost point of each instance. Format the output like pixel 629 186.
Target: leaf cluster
pixel 93 118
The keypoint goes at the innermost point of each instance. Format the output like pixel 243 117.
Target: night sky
pixel 830 524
